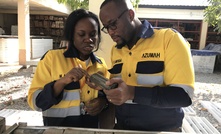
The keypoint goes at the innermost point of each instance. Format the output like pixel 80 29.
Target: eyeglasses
pixel 112 25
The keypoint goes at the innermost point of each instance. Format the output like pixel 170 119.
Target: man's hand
pixel 121 94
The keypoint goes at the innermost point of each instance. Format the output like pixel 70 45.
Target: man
pixel 153 69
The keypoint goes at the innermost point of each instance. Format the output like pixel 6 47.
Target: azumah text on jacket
pixel 151 55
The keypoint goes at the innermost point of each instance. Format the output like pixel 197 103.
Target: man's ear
pixel 131 14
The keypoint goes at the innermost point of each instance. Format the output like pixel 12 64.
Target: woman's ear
pixel 131 14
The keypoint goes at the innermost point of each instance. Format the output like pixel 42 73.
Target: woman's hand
pixel 75 74
pixel 95 106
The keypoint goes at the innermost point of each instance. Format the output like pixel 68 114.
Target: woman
pixel 59 88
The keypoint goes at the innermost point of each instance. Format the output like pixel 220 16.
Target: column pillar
pixel 23 31
pixel 106 41
pixel 203 34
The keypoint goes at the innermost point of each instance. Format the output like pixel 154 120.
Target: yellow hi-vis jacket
pixel 65 109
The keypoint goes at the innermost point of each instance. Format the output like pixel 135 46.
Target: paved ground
pixel 9 66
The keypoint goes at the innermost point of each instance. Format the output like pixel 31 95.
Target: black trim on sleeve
pixel 46 99
pixel 162 97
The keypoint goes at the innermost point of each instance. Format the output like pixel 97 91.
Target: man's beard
pixel 124 42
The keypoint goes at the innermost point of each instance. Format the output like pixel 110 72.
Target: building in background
pixel 46 18
pixel 187 17
pixel 31 28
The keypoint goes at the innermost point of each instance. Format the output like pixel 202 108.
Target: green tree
pixel 213 14
pixel 135 3
pixel 75 4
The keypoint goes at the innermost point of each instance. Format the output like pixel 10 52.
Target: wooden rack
pixel 22 128
pixel 191 30
pixel 48 25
